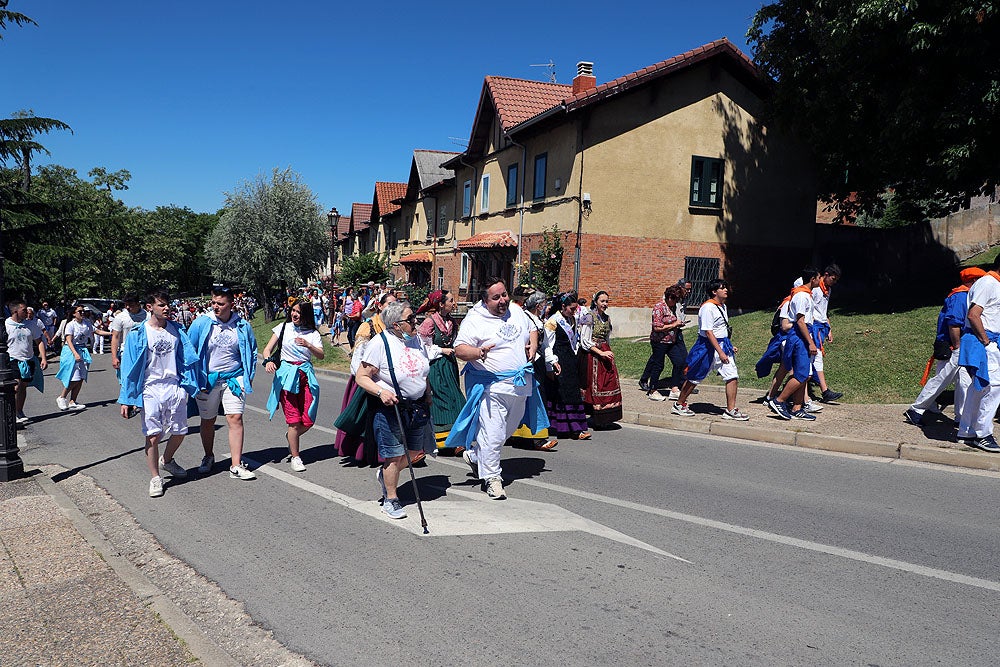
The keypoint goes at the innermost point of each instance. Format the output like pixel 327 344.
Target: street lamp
pixel 333 217
pixel 11 466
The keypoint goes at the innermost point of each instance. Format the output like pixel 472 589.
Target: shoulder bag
pixel 275 357
pixel 356 417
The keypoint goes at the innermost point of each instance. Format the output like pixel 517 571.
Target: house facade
pixel 662 173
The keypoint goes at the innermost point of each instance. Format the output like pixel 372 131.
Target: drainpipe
pixel 433 240
pixel 579 218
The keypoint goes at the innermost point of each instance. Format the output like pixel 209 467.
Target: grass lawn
pixel 874 358
pixel 984 260
pixel 335 357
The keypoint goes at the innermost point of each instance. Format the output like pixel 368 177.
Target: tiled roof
pixel 343 227
pixel 385 192
pixel 361 215
pixel 517 100
pixel 661 68
pixel 485 240
pixel 416 258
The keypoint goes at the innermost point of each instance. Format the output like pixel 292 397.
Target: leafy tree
pixel 8 17
pixel 17 140
pixel 360 269
pixel 272 232
pixel 544 273
pixel 893 94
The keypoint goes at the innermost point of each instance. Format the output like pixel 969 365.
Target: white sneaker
pixel 241 472
pixel 494 489
pixel 175 469
pixel 674 394
pixel 156 487
pixel 472 463
pixel 62 403
pixel 207 462
pixel 812 406
pixel 656 396
pixel 73 405
pixel 297 465
pixel 393 509
pixel 21 419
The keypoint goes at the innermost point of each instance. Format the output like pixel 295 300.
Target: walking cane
pixel 409 464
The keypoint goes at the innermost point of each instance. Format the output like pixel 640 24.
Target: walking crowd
pixel 536 368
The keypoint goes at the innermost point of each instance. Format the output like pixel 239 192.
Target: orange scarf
pixel 824 288
pixel 801 288
pixel 960 288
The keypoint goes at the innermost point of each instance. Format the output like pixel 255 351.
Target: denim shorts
pixel 416 418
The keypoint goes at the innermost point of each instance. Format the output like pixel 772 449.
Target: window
pixel 442 224
pixel 512 185
pixel 484 196
pixel 440 277
pixel 700 271
pixel 706 182
pixel 539 186
pixel 467 199
pixel 464 280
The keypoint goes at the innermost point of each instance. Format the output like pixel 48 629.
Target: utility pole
pixel 11 466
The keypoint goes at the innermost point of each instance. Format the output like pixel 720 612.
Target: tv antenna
pixel 459 141
pixel 551 66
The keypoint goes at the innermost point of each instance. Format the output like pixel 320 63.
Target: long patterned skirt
pixel 602 392
pixel 353 446
pixel 447 399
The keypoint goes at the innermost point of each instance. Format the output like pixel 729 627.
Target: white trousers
pixel 98 344
pixel 947 373
pixel 817 362
pixel 499 416
pixel 980 407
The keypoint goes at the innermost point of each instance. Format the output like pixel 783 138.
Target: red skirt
pixel 602 392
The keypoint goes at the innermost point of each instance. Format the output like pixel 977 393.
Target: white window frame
pixel 464 277
pixel 467 199
pixel 440 277
pixel 484 197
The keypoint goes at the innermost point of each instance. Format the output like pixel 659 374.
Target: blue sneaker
pixel 803 415
pixel 781 409
pixel 987 444
pixel 393 509
pixel 913 417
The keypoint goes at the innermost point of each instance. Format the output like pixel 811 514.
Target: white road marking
pixel 849 554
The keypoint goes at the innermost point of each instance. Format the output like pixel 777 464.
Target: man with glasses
pixel 24 337
pixel 227 362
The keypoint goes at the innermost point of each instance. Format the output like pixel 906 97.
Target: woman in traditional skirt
pixel 564 401
pixel 438 335
pixel 602 393
pixel 365 453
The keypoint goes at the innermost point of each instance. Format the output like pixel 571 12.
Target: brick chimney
pixel 584 79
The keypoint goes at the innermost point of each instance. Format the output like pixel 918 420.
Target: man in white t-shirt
pixel 712 351
pixel 157 375
pixel 47 317
pixel 24 339
pixel 980 357
pixel 798 351
pixel 497 341
pixel 127 319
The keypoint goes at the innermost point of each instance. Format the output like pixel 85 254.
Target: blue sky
pixel 194 98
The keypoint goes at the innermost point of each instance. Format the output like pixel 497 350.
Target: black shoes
pixel 829 396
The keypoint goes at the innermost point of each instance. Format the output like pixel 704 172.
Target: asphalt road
pixel 640 547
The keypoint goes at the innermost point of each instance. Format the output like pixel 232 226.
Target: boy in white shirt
pixel 24 338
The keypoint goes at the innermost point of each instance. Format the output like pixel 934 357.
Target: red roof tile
pixel 489 240
pixel 681 61
pixel 361 215
pixel 517 100
pixel 416 258
pixel 386 192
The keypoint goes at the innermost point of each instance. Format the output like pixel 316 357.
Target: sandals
pixel 546 446
pixel 583 435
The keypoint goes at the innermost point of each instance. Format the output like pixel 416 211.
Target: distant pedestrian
pixel 26 347
pixel 712 351
pixel 48 317
pixel 127 319
pixel 438 332
pixel 799 350
pixel 74 360
pixel 666 342
pixel 157 375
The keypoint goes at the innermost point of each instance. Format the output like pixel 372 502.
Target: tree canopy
pixel 272 232
pixel 899 95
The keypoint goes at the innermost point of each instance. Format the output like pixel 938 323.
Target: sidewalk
pixel 81 583
pixel 61 603
pixel 873 430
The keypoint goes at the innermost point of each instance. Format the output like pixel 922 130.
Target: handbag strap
pixel 281 338
pixel 392 372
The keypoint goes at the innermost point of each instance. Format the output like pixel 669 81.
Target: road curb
pixel 962 458
pixel 197 642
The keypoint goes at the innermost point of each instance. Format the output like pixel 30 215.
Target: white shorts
pixel 164 410
pixel 208 401
pixel 727 371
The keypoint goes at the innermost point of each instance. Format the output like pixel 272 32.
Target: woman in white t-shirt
pixel 394 370
pixel 74 359
pixel 295 386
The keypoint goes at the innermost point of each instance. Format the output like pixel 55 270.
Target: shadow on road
pixel 72 471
